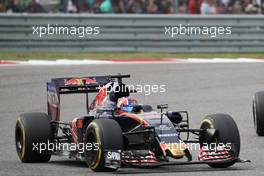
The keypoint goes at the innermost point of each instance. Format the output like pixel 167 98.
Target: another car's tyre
pixel 258 112
pixel 32 129
pixel 108 135
pixel 226 133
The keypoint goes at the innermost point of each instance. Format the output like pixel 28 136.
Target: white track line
pixel 138 61
pixel 67 62
pixel 224 60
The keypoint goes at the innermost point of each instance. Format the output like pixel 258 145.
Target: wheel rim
pixel 206 125
pixel 91 154
pixel 19 139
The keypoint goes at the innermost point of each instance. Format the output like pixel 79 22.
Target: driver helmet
pixel 126 104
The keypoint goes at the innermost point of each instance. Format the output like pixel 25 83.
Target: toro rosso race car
pixel 258 112
pixel 117 131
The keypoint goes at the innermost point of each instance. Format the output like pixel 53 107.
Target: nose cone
pixel 175 150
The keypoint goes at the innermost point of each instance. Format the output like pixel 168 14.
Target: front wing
pixel 115 159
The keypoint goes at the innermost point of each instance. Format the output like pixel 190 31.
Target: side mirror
pixel 137 108
pixel 174 116
pixel 147 108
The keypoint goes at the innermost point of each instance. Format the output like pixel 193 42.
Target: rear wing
pixel 74 85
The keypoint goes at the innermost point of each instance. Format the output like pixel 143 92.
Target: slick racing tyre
pixel 108 135
pixel 226 133
pixel 258 112
pixel 32 129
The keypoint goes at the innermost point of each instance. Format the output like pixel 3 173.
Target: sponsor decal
pixel 165 127
pixel 53 98
pixel 113 155
pixel 168 135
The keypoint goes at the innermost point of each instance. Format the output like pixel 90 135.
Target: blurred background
pixel 134 6
pixel 130 27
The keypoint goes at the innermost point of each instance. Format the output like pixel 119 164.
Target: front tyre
pixel 226 132
pixel 107 135
pixel 258 112
pixel 32 129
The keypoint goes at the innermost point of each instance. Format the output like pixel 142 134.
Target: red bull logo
pixel 80 81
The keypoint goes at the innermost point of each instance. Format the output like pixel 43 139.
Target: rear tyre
pixel 108 135
pixel 226 132
pixel 32 128
pixel 258 112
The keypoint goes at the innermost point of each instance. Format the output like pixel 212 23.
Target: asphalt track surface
pixel 199 88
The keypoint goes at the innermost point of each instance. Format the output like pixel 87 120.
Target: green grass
pixel 108 55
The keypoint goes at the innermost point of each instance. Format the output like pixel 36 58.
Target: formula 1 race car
pixel 117 131
pixel 258 112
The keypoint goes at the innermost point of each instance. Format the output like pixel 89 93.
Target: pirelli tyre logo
pixel 113 156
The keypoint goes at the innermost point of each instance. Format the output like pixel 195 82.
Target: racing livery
pixel 121 132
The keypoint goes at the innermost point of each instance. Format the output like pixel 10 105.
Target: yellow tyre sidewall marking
pixel 209 121
pixel 100 145
pixel 211 125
